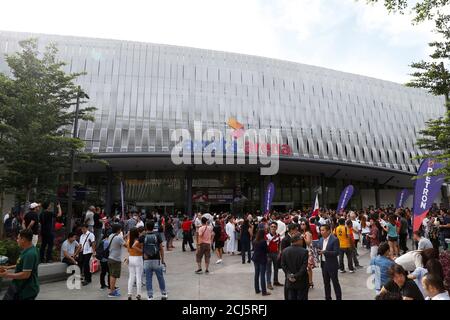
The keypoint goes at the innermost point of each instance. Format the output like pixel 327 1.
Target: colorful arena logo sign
pixel 234 146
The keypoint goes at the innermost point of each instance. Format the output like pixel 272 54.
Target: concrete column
pixel 188 201
pixel 377 193
pixel 108 196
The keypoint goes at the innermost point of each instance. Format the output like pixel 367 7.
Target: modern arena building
pixel 336 128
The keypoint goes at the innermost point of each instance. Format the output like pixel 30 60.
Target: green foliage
pixel 36 115
pixel 11 249
pixel 432 75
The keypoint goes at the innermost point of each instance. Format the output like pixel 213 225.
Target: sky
pixel 344 35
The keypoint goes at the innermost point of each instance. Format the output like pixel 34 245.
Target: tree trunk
pixel 2 200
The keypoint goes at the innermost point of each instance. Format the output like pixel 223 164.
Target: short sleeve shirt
pixel 85 239
pixel 69 247
pixel 28 261
pixel 32 216
pixel 159 242
pixel 115 249
pixel 205 234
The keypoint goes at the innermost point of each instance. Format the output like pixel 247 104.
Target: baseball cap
pixel 34 205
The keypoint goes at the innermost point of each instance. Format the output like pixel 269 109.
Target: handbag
pixel 94 265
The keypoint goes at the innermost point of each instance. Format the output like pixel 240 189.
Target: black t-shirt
pixel 47 220
pixel 97 223
pixel 159 242
pixel 409 289
pixel 217 232
pixel 32 216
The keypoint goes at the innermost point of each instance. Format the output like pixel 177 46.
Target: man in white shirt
pixel 281 229
pixel 434 286
pixel 69 249
pixel 89 218
pixel 424 243
pixel 87 249
pixel 5 217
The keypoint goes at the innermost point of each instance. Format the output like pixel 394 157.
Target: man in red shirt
pixel 186 226
pixel 273 241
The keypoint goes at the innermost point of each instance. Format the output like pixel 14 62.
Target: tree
pixel 36 115
pixel 432 75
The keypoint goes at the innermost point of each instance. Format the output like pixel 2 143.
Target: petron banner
pixel 345 198
pixel 270 192
pixel 402 196
pixel 426 189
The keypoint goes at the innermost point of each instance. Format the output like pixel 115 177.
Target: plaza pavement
pixel 230 280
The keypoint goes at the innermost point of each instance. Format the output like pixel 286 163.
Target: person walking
pixel 294 262
pixel 260 262
pixel 135 263
pixel 205 237
pixel 328 252
pixel 153 253
pixel 89 218
pixel 102 247
pixel 220 236
pixel 47 220
pixel 186 226
pixel 25 282
pixel 169 233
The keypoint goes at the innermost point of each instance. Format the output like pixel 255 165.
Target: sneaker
pixel 150 298
pixel 85 283
pixel 352 271
pixel 266 294
pixel 219 261
pixel 206 271
pixel 114 294
pixel 342 271
pixel 359 267
pixel 277 284
pixel 269 286
pixel 164 296
pixel 103 288
pixel 199 271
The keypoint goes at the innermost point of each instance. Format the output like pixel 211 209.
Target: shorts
pixel 393 239
pixel 115 268
pixel 219 244
pixel 204 249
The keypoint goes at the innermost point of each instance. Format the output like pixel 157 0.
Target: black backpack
pixel 102 253
pixel 151 247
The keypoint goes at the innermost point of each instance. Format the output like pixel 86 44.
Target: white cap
pixel 34 205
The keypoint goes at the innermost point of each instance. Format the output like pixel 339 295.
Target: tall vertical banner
pixel 316 207
pixel 122 200
pixel 345 198
pixel 270 192
pixel 402 196
pixel 426 190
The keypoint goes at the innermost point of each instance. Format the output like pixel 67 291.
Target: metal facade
pixel 143 91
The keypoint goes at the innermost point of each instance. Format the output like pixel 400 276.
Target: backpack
pixel 101 253
pixel 8 225
pixel 151 247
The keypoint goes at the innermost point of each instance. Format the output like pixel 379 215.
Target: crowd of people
pixel 295 242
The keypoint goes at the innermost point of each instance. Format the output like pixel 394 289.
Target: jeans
pixel 151 266
pixel 47 242
pixel 104 271
pixel 272 259
pixel 187 239
pixel 349 253
pixel 260 276
pixel 135 267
